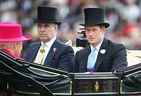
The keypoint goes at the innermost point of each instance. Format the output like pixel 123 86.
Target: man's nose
pixel 91 32
pixel 42 28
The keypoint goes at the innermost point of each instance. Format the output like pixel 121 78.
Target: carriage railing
pixel 97 83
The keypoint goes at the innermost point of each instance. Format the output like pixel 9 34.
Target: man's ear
pixel 56 26
pixel 104 29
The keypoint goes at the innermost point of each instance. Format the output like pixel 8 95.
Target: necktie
pixel 42 54
pixel 91 60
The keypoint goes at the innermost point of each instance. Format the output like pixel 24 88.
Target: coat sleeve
pixel 119 58
pixel 66 59
pixel 30 53
pixel 76 63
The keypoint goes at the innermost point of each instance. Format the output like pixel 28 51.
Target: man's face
pixel 94 34
pixel 47 31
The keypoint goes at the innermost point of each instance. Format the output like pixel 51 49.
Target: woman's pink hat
pixel 11 32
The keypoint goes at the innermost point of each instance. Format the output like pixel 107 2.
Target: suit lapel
pixel 35 51
pixel 51 54
pixel 84 58
pixel 101 54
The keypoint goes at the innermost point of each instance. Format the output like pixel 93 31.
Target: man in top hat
pixel 101 55
pixel 49 51
pixel 11 39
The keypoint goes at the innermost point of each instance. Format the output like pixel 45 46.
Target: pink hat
pixel 11 32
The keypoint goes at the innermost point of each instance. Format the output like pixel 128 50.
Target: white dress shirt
pixel 42 56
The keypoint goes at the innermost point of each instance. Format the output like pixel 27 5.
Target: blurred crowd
pixel 124 17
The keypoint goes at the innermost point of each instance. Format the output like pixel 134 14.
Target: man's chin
pixel 44 40
pixel 92 42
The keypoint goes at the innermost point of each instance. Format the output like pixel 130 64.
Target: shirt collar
pixel 49 42
pixel 97 47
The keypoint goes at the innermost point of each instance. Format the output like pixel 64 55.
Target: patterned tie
pixel 91 60
pixel 42 52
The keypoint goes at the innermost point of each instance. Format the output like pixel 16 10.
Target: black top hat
pixel 47 15
pixel 95 16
